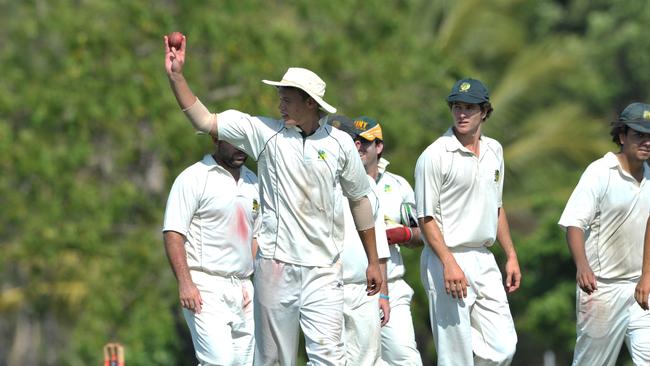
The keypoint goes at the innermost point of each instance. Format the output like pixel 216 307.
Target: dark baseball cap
pixel 468 91
pixel 343 123
pixel 636 116
pixel 363 126
pixel 368 128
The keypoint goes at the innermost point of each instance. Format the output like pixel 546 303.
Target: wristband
pixel 385 297
pixel 398 234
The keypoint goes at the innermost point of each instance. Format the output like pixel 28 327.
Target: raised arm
pixel 513 272
pixel 196 112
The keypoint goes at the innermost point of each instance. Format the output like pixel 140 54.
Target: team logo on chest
pixel 388 188
pixel 256 205
pixel 322 155
pixel 497 175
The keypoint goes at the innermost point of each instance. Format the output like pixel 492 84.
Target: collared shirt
pixel 355 261
pixel 302 180
pixel 612 208
pixel 398 202
pixel 461 191
pixel 216 214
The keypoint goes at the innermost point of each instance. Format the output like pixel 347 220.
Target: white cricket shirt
pixel 302 184
pixel 461 191
pixel 216 215
pixel 612 208
pixel 398 202
pixel 355 261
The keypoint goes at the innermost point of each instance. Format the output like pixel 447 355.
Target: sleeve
pixel 407 207
pixel 182 203
pixel 257 215
pixel 247 133
pixel 502 172
pixel 428 180
pixel 381 240
pixel 582 206
pixel 353 176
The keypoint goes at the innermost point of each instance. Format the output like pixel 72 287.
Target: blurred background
pixel 91 139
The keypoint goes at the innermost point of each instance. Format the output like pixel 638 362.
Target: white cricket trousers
pixel 478 329
pixel 290 296
pixel 398 345
pixel 605 319
pixel 223 333
pixel 362 335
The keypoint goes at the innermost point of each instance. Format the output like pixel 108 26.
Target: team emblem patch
pixel 388 188
pixel 322 155
pixel 256 205
pixel 497 175
pixel 464 87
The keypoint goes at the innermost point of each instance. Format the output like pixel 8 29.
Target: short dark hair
pixel 485 107
pixel 617 130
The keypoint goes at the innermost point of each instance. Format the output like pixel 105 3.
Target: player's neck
pixel 373 171
pixel 631 165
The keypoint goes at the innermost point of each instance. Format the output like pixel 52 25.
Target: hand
pixel 374 279
pixel 384 306
pixel 513 275
pixel 398 234
pixel 174 59
pixel 190 297
pixel 455 282
pixel 586 279
pixel 642 290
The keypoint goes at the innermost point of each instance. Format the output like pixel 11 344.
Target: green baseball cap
pixel 636 116
pixel 468 91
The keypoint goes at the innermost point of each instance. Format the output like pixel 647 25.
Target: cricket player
pixel 362 317
pixel 208 231
pixel 458 189
pixel 306 169
pixel 605 220
pixel 398 204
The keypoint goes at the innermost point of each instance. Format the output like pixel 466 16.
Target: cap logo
pixel 464 87
pixel 362 125
pixel 646 115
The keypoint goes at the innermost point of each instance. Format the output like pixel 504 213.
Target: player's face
pixel 636 144
pixel 368 151
pixel 229 155
pixel 467 118
pixel 294 108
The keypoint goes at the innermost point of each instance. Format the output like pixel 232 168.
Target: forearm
pixel 503 234
pixel 383 267
pixel 198 115
pixel 431 233
pixel 416 238
pixel 645 269
pixel 184 95
pixel 575 238
pixel 369 245
pixel 175 249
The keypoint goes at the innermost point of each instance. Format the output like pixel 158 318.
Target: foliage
pixel 91 139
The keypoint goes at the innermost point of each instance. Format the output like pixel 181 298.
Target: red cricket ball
pixel 174 39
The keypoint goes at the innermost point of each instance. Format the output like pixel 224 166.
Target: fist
pixel 175 39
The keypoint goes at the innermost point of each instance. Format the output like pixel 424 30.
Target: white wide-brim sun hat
pixel 307 81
